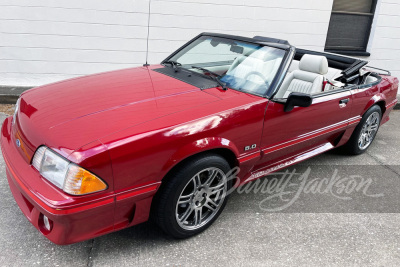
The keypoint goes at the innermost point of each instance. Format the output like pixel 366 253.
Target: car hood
pixel 69 114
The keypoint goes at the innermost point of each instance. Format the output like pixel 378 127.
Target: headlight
pixel 16 110
pixel 66 175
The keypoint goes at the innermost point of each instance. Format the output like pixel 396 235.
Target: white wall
pixel 303 23
pixel 384 44
pixel 46 40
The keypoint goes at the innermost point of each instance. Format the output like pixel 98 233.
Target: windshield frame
pixel 282 70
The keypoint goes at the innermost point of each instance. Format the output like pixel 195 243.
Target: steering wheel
pixel 259 74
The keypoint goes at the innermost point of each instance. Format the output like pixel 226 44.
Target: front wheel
pixel 193 197
pixel 365 131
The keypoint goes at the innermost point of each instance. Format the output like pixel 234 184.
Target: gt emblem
pixel 250 147
pixel 18 143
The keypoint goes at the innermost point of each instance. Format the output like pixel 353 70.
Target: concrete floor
pixel 328 228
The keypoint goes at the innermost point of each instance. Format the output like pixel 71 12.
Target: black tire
pixel 165 207
pixel 352 146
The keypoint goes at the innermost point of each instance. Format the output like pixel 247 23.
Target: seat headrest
pixel 313 63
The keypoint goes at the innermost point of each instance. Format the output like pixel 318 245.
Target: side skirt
pixel 287 162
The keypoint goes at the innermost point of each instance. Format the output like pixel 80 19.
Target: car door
pixel 304 129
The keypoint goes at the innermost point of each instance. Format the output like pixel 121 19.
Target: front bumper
pixel 36 197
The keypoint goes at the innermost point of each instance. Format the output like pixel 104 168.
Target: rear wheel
pixel 193 197
pixel 365 132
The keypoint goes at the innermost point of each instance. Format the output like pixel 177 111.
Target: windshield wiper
pixel 215 76
pixel 175 65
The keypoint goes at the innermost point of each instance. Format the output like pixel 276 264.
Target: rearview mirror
pixel 297 100
pixel 237 49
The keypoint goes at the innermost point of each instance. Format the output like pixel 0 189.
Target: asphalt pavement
pixel 354 221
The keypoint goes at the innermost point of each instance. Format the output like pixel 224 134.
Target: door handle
pixel 343 102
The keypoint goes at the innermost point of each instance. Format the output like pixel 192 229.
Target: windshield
pixel 240 65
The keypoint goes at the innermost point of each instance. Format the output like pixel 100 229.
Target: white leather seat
pixel 308 79
pixel 294 66
pixel 262 61
pixel 331 76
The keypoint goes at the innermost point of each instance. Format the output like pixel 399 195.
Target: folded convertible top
pixel 348 64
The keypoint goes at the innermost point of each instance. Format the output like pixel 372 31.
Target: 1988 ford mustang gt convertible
pixel 97 154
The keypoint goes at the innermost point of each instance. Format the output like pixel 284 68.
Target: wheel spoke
pixel 197 216
pixel 216 198
pixel 185 199
pixel 212 202
pixel 374 118
pixel 209 207
pixel 217 188
pixel 196 181
pixel 211 177
pixel 187 213
pixel 367 122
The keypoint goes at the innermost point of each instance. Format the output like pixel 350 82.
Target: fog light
pixel 46 223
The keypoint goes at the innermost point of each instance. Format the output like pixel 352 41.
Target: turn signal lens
pixel 80 182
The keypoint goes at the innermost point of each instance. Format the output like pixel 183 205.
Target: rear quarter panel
pixel 384 93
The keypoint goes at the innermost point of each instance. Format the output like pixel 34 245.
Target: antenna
pixel 148 34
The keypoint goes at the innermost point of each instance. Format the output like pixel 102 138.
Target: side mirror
pixel 297 100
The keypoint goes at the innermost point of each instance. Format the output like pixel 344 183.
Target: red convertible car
pixel 97 154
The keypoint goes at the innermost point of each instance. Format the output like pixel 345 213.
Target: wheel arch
pixel 225 152
pixel 379 100
pixel 382 105
pixel 212 145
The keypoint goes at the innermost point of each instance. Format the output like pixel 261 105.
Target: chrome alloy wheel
pixel 201 198
pixel 369 130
